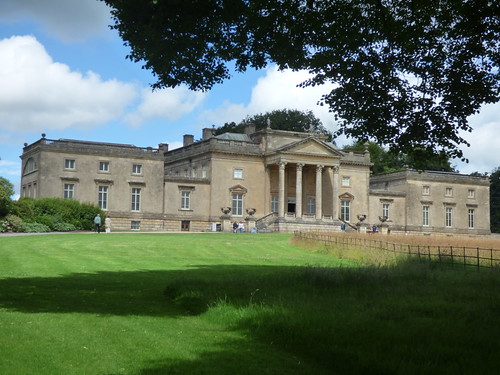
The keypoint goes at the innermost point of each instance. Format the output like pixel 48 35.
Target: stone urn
pixel 361 218
pixel 251 211
pixel 225 210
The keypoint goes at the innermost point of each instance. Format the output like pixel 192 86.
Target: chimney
pixel 249 128
pixel 163 147
pixel 208 133
pixel 188 139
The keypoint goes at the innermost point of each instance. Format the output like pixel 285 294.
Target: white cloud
pixel 277 90
pixel 38 94
pixel 69 20
pixel 484 141
pixel 171 104
pixel 174 145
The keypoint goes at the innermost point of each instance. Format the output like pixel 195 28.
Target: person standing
pixel 97 224
pixel 107 225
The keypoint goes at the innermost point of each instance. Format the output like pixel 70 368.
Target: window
pixel 204 172
pixel 186 173
pixel 238 173
pixel 471 218
pixel 136 199
pixel 69 164
pixel 194 172
pixel 30 166
pixel 425 216
pixel 237 204
pixel 471 193
pixel 103 197
pixel 346 181
pixel 135 225
pixel 345 210
pixel 385 210
pixel 311 206
pixel 136 169
pixel 69 191
pixel 274 203
pixel 426 190
pixel 104 166
pixel 185 200
pixel 448 217
pixel 185 224
pixel 448 192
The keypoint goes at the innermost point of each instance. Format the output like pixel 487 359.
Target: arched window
pixel 30 166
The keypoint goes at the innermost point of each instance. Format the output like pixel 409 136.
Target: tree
pixel 407 74
pixel 495 201
pixel 6 192
pixel 387 161
pixel 283 119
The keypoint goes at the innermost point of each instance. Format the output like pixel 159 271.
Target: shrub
pixel 47 220
pixel 24 208
pixel 34 228
pixel 58 213
pixel 11 223
pixel 64 227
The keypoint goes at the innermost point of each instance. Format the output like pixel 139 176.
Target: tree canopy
pixel 407 74
pixel 495 200
pixel 6 193
pixel 282 119
pixel 385 161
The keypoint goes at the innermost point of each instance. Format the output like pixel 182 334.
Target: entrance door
pixel 291 205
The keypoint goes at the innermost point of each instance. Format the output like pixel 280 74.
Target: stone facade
pixel 432 202
pixel 271 180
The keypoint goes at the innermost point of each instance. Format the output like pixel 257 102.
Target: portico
pixel 304 181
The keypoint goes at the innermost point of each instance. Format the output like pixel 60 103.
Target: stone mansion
pixel 271 180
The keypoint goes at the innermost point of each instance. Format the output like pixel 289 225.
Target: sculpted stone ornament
pixel 251 211
pixel 361 218
pixel 225 210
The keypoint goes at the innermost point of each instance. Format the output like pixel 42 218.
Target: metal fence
pixel 455 255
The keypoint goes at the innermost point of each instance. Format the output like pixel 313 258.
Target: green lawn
pixel 144 304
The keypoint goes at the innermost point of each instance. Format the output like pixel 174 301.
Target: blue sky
pixel 63 72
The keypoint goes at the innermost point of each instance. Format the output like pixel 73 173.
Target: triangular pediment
pixel 346 197
pixel 238 189
pixel 310 146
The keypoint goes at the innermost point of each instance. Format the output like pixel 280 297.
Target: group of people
pixel 238 227
pixel 97 224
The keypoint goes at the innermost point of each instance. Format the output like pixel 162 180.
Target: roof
pixel 234 137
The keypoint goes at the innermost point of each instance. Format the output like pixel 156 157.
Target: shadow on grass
pixel 405 319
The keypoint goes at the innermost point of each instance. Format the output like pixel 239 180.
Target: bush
pixel 57 213
pixel 47 220
pixel 34 228
pixel 11 223
pixel 64 227
pixel 24 208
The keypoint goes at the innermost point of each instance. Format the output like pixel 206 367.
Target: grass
pixel 145 304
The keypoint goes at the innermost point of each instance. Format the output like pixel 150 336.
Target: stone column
pixel 319 190
pixel 281 191
pixel 335 199
pixel 298 192
pixel 267 189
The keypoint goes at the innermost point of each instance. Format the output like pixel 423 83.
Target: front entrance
pixel 291 206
